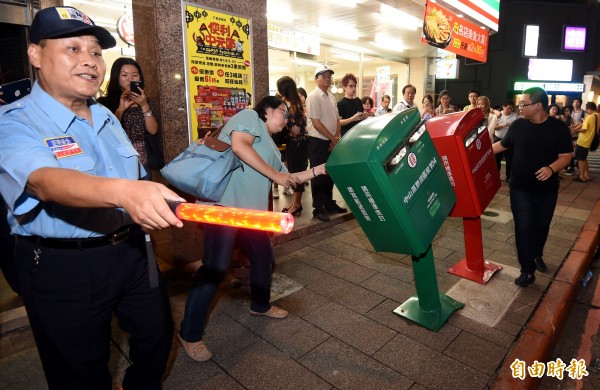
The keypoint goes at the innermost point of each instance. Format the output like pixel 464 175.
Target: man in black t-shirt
pixel 541 147
pixel 350 108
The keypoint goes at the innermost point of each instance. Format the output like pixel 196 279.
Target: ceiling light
pixel 279 12
pixel 301 61
pixel 345 3
pixel 401 19
pixel 340 30
pixel 388 43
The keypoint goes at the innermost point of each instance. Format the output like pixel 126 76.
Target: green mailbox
pixel 389 173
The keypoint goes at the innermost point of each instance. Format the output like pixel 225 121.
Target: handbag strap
pixel 215 134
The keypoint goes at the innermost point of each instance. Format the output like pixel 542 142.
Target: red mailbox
pixel 465 149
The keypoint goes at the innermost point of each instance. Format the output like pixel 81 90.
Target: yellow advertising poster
pixel 218 60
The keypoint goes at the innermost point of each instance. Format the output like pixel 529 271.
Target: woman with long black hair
pixel 136 111
pixel 297 142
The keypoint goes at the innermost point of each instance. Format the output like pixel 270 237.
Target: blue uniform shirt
pixel 36 132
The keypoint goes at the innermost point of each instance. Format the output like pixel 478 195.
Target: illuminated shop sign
pixel 445 30
pixel 292 40
pixel 546 69
pixel 550 86
pixel 485 12
pixel 574 38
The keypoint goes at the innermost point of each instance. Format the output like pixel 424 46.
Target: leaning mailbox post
pixel 389 174
pixel 465 149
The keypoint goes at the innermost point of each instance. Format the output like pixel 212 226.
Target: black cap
pixel 321 70
pixel 58 22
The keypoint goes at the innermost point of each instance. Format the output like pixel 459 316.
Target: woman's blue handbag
pixel 203 169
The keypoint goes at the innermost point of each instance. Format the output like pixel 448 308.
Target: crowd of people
pixel 80 219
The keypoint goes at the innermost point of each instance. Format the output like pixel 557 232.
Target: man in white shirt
pixel 324 132
pixel 408 99
pixel 507 117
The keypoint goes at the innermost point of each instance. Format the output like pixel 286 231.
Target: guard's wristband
pixel 313 171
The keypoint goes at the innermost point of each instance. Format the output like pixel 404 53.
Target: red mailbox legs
pixel 474 266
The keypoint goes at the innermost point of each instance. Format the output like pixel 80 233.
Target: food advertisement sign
pixel 218 60
pixel 445 30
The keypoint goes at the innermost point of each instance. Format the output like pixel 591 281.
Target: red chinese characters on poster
pixel 445 30
pixel 218 61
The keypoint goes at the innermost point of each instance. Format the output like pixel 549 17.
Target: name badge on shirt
pixel 63 146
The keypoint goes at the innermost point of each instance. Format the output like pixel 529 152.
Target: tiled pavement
pixel 341 332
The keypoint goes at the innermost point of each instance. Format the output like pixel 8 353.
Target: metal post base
pixel 434 319
pixel 481 275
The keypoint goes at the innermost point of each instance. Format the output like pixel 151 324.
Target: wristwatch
pixel 148 113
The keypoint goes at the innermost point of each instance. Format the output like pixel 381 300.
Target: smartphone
pixel 15 90
pixel 134 86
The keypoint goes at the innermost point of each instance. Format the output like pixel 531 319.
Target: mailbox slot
pixel 398 154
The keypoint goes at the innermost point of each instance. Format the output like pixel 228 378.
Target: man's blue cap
pixel 60 22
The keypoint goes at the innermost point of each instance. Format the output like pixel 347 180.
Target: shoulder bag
pixel 154 152
pixel 596 139
pixel 204 168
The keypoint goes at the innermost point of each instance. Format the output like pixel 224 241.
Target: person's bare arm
pixel 241 144
pixel 144 201
pixel 310 173
pixel 498 148
pixel 563 161
pixel 356 117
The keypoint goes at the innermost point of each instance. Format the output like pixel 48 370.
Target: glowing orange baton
pixel 230 216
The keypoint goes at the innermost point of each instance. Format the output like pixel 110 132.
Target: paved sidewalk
pixel 342 332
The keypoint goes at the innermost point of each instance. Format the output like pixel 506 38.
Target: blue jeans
pixel 532 214
pixel 218 248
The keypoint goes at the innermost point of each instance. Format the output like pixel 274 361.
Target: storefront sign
pixel 218 59
pixel 445 30
pixel 550 86
pixel 292 40
pixel 485 12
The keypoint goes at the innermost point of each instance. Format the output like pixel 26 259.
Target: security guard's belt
pixel 114 238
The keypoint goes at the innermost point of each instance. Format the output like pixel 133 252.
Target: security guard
pixel 69 176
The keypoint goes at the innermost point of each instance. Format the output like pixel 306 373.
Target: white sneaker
pixel 288 191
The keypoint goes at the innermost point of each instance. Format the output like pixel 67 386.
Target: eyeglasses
pixel 351 86
pixel 523 105
pixel 285 113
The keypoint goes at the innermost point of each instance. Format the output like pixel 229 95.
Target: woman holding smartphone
pixel 126 98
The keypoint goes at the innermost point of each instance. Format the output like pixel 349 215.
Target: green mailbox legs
pixel 428 308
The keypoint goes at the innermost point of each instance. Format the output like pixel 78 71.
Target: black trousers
pixel 70 296
pixel 321 186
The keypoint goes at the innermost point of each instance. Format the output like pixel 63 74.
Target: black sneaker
pixel 321 215
pixel 334 208
pixel 524 279
pixel 540 265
